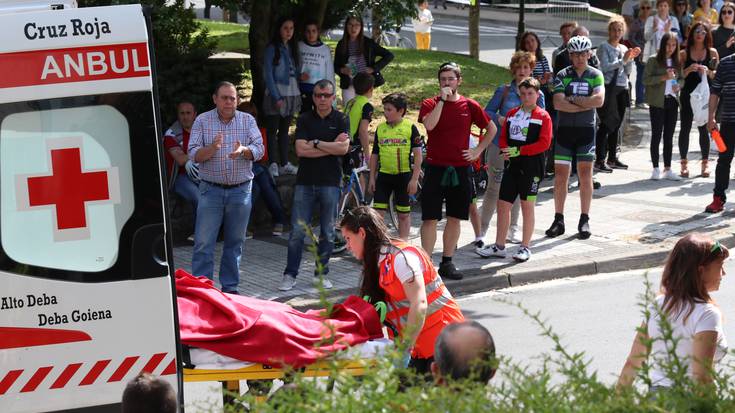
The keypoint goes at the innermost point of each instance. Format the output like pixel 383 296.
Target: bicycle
pixel 352 196
pixel 390 38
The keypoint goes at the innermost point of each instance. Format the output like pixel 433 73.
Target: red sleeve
pixel 479 117
pixel 169 142
pixel 426 107
pixel 503 138
pixel 544 139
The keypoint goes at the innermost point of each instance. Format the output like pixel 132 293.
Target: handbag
pixel 699 99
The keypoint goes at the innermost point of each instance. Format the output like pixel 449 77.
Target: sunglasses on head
pixel 451 65
pixel 716 248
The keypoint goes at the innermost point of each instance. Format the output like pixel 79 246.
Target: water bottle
pixel 721 147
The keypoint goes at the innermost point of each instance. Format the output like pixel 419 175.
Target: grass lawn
pixel 412 72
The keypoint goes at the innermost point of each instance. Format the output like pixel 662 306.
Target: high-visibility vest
pixel 394 145
pixel 353 109
pixel 441 310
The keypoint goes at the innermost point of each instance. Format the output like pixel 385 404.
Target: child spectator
pixel 395 140
pixel 316 63
pixel 422 26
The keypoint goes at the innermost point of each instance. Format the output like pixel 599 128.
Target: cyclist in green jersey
pixel 578 90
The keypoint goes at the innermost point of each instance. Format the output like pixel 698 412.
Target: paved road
pixel 595 314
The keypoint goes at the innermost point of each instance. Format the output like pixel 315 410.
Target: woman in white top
pixel 693 270
pixel 656 26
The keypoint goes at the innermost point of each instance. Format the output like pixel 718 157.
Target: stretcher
pixel 213 367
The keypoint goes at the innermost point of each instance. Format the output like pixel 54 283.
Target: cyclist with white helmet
pixel 578 90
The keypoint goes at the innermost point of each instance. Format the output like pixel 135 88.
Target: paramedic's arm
pixel 416 294
pixel 638 355
pixel 703 352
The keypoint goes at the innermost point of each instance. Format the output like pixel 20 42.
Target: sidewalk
pixel 634 222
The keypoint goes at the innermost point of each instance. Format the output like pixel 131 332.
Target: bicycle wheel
pixel 349 202
pixel 405 43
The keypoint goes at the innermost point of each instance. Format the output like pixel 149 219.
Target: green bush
pixel 563 383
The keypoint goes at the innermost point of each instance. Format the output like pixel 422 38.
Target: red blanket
pixel 264 331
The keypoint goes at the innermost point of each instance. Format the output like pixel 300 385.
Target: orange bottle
pixel 721 147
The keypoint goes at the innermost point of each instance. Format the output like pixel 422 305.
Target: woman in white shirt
pixel 693 270
pixel 656 26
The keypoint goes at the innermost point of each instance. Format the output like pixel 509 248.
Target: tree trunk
pixel 321 11
pixel 474 21
pixel 521 23
pixel 260 29
pixel 377 17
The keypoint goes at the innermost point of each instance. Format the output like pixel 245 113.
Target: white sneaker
pixel 289 169
pixel 324 282
pixel 514 235
pixel 287 283
pixel 656 174
pixel 492 250
pixel 671 176
pixel 523 254
pixel 273 169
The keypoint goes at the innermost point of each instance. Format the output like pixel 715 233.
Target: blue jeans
pixel 188 190
pixel 263 185
pixel 305 199
pixel 228 207
pixel 640 90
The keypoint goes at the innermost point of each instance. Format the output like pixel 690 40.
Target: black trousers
pixel 276 127
pixel 606 143
pixel 685 127
pixel 722 172
pixel 663 122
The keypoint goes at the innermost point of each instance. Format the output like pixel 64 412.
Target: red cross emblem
pixel 68 188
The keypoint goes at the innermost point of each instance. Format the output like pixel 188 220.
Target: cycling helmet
pixel 579 44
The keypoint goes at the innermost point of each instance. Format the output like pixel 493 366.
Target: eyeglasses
pixel 645 7
pixel 323 95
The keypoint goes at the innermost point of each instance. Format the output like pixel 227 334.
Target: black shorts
pixel 522 178
pixel 457 198
pixel 573 141
pixel 385 184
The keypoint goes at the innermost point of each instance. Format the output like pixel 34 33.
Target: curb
pixel 478 280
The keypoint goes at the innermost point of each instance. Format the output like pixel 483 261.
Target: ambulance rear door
pixel 86 292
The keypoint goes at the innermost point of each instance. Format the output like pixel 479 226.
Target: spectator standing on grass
pixel 505 98
pixel 281 67
pixel 698 59
pixel 321 141
pixel 225 142
pixel 616 63
pixel 722 98
pixel 355 54
pixel 183 172
pixel 662 77
pixel 448 119
pixel 464 351
pixel 578 91
pixel 723 37
pixel 316 63
pixel 637 39
pixel 693 270
pixel 657 26
pixel 422 26
pixel 524 137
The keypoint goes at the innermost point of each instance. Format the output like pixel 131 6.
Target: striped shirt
pixel 542 67
pixel 220 169
pixel 723 85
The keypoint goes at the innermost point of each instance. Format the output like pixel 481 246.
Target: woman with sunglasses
pixel 681 12
pixel 699 59
pixel 637 39
pixel 723 37
pixel 705 12
pixel 693 270
pixel 402 276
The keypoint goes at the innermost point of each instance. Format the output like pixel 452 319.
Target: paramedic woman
pixel 401 275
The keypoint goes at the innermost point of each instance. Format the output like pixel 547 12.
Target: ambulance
pixel 87 298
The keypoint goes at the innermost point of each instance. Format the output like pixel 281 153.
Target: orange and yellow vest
pixel 441 310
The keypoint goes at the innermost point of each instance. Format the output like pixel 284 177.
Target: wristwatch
pixel 315 143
